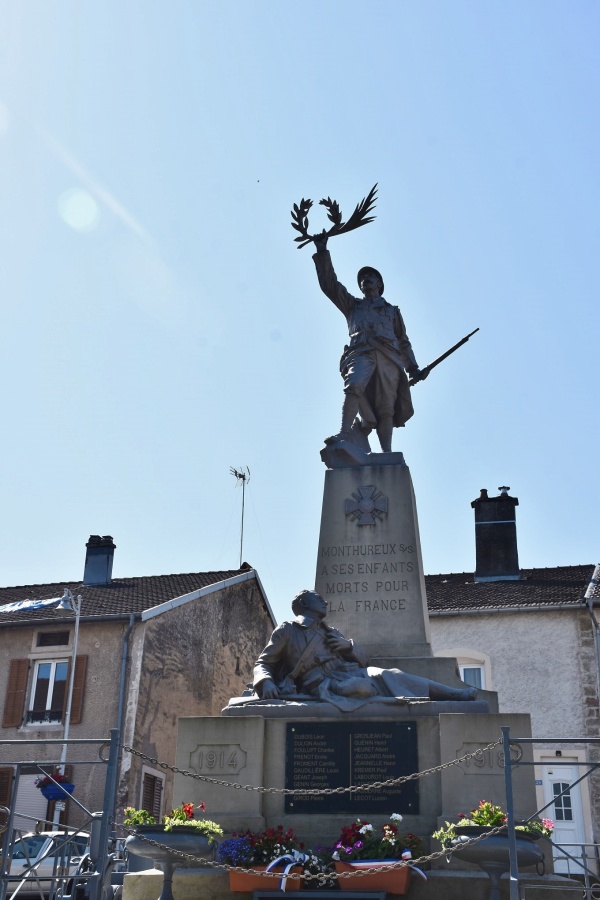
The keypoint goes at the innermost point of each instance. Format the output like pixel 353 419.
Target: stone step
pixel 191 884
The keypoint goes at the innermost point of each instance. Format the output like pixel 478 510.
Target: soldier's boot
pixel 349 412
pixel 443 692
pixel 384 433
pixel 360 435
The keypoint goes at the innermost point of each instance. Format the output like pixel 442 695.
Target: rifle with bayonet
pixel 427 369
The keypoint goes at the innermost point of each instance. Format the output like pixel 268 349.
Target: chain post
pixel 101 862
pixel 510 815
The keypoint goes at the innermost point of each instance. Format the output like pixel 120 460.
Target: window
pixel 48 691
pixel 473 675
pixel 152 789
pixel 474 666
pixel 47 681
pixel 53 639
pixel 563 806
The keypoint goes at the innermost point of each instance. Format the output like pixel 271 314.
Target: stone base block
pixel 256 751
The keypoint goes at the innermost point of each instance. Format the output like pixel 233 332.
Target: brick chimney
pixel 496 553
pixel 99 559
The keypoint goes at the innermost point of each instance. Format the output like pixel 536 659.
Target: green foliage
pixel 490 815
pixel 181 815
pixel 135 816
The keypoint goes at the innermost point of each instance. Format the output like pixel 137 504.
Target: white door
pixel 565 812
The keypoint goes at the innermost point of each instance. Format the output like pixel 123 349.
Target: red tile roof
pixel 122 597
pixel 563 585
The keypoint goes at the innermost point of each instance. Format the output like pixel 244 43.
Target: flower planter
pixel 392 880
pixel 244 882
pixel 491 854
pixel 54 792
pixel 183 838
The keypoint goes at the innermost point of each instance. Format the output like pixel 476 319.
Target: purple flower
pixel 358 845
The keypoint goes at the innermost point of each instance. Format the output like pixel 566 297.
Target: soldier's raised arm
pixel 328 281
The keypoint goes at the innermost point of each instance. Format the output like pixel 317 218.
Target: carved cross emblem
pixel 368 505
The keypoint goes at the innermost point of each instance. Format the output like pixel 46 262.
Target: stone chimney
pixel 496 553
pixel 99 559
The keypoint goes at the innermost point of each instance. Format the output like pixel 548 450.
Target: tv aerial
pixel 242 476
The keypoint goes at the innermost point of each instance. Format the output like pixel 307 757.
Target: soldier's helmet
pixel 364 271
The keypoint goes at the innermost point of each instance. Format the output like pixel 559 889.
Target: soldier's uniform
pixel 299 661
pixel 375 362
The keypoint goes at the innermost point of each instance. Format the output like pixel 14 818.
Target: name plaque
pixel 342 754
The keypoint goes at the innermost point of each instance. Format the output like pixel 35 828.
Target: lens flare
pixel 78 209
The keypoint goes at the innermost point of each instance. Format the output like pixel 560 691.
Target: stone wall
pixel 542 662
pixel 102 644
pixel 534 662
pixel 189 661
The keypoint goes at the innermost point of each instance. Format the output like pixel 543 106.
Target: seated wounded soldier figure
pixel 306 657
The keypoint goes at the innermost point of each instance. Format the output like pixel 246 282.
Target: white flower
pixel 396 817
pixel 335 855
pixel 366 828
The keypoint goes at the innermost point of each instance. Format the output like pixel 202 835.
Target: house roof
pixel 560 586
pixel 123 596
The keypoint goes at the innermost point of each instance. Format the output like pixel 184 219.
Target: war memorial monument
pixel 347 692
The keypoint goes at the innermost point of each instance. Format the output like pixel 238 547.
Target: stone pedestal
pixel 262 752
pixel 369 565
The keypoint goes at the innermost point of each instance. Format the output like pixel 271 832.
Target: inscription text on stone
pixel 343 754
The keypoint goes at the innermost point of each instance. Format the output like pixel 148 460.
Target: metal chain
pixel 446 852
pixel 390 782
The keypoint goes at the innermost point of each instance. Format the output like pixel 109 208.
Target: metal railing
pixel 98 823
pixel 590 888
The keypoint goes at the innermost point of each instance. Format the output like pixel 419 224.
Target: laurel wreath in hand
pixel 359 217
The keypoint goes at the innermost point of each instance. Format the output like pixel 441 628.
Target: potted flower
pixel 252 854
pixel 361 846
pixel 48 785
pixel 491 851
pixel 180 840
pixel 488 816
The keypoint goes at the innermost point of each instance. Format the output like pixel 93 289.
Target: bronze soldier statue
pixel 306 658
pixel 377 362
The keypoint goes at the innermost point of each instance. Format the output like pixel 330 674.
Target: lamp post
pixel 69 603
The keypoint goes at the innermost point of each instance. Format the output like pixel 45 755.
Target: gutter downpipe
pixel 121 707
pixel 589 601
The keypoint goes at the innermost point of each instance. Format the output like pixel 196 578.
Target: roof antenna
pixel 242 475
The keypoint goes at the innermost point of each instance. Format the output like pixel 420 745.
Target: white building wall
pixel 534 662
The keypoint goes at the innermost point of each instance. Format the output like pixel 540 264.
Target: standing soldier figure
pixel 376 362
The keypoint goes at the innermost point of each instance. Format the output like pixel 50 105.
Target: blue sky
pixel 160 326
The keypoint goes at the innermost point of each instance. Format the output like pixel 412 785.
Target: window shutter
pixel 6 779
pixel 78 690
pixel 15 693
pixel 151 794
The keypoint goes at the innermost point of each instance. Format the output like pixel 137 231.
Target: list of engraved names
pixel 328 755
